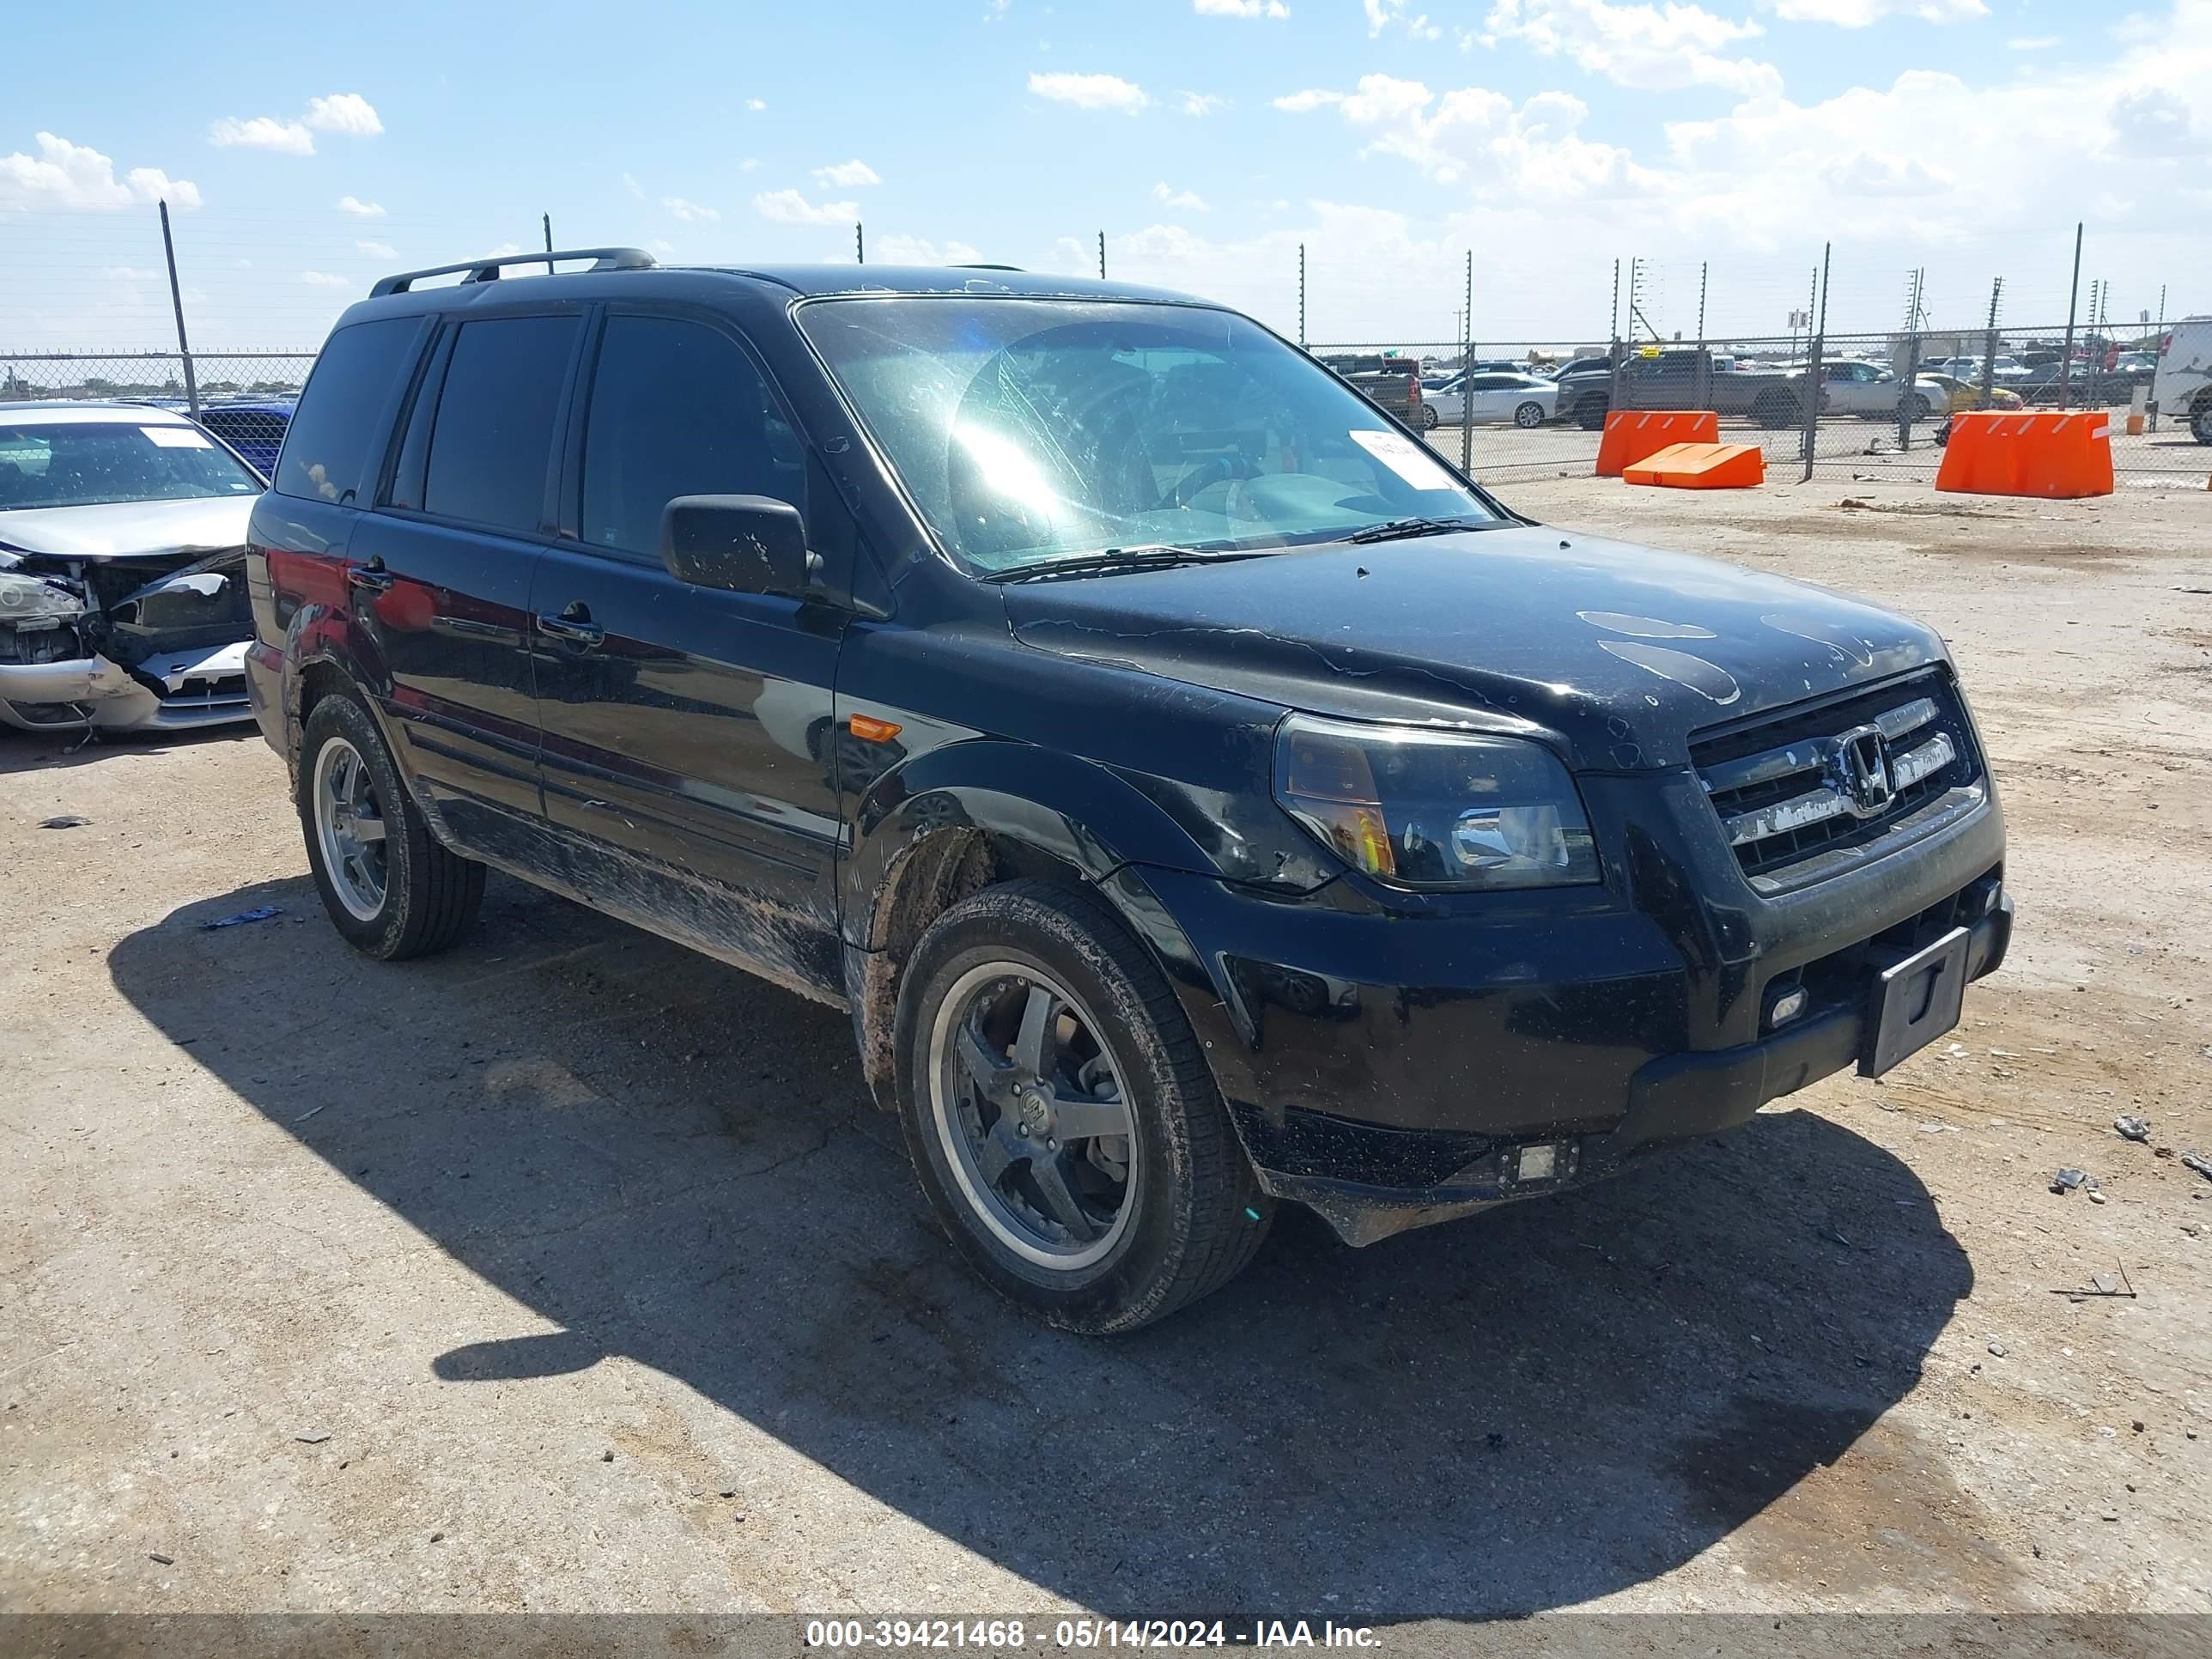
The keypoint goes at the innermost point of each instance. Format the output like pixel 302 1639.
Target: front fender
pixel 1073 812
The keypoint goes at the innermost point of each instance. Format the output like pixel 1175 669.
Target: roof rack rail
pixel 979 265
pixel 487 271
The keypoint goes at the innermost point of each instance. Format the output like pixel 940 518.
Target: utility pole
pixel 1465 359
pixel 1301 293
pixel 546 220
pixel 1613 389
pixel 1990 345
pixel 177 300
pixel 1907 392
pixel 1101 256
pixel 1704 357
pixel 1812 374
pixel 2066 362
pixel 859 248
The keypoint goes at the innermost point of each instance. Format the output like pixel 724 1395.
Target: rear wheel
pixel 1529 416
pixel 2200 420
pixel 392 889
pixel 1061 1117
pixel 1429 417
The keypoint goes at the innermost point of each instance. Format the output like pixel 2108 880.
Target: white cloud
pixel 788 207
pixel 1091 91
pixel 79 178
pixel 128 274
pixel 324 279
pixel 1649 47
pixel 1188 200
pixel 757 105
pixel 344 112
pixel 348 112
pixel 377 250
pixel 353 206
pixel 920 250
pixel 1859 14
pixel 633 187
pixel 2153 123
pixel 1386 13
pixel 688 212
pixel 1240 8
pixel 846 175
pixel 2032 43
pixel 262 132
pixel 1202 103
pixel 750 164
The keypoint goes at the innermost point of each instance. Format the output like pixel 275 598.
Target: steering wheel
pixel 1221 469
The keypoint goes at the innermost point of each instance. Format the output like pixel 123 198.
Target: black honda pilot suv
pixel 1200 795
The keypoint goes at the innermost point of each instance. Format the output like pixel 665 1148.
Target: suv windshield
pixel 90 464
pixel 1033 431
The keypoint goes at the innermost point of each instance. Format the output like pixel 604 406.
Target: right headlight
pixel 27 598
pixel 1435 809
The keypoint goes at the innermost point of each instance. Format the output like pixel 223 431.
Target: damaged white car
pixel 123 602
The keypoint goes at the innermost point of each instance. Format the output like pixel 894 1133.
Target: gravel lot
pixel 572 1272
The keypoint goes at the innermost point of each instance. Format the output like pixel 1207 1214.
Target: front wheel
pixel 1529 416
pixel 2200 420
pixel 392 889
pixel 1061 1117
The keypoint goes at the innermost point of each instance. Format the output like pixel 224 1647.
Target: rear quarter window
pixel 340 418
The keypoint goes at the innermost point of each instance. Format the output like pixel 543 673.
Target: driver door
pixel 688 754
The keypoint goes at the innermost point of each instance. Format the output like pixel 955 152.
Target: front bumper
pixel 1388 1069
pixel 197 689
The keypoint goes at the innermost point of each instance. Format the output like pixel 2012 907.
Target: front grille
pixel 1832 777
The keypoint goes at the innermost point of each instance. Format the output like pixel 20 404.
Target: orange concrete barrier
pixel 1701 466
pixel 2052 453
pixel 1632 434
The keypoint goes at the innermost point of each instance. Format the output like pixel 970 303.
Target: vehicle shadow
pixel 672 1161
pixel 47 751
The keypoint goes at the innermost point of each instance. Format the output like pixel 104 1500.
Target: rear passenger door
pixel 443 567
pixel 688 732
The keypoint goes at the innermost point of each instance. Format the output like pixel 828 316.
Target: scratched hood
pixel 118 530
pixel 1616 650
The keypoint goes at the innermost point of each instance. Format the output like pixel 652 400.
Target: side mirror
pixel 741 544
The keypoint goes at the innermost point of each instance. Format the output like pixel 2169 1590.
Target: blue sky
pixel 1208 139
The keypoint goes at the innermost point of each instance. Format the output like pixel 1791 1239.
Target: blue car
pixel 255 429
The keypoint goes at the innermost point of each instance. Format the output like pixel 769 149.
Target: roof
pixel 814 280
pixel 57 412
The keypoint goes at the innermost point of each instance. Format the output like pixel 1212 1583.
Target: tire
pixel 1590 412
pixel 1921 411
pixel 2200 420
pixel 1187 1212
pixel 1429 417
pixel 1529 416
pixel 1777 411
pixel 427 895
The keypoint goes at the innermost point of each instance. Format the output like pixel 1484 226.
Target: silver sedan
pixel 1496 398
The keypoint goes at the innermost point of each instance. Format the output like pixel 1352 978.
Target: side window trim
pixel 407 455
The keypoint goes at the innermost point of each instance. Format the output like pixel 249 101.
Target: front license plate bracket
pixel 1913 1002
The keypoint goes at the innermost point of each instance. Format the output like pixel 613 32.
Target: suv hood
pixel 127 529
pixel 1620 651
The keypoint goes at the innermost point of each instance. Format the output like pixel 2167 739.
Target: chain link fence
pixel 1531 409
pixel 246 399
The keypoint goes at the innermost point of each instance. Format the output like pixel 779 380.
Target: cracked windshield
pixel 1033 434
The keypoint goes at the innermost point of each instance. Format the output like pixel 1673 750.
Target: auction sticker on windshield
pixel 177 437
pixel 1406 458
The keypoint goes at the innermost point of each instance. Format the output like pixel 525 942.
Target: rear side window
pixel 326 447
pixel 678 409
pixel 493 440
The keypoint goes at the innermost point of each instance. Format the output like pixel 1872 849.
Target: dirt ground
pixel 572 1272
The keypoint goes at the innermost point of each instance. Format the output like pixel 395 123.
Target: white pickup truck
pixel 2183 387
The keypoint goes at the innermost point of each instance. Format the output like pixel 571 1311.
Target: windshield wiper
pixel 1399 529
pixel 1157 556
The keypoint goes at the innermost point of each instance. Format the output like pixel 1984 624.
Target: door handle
pixel 371 578
pixel 573 625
